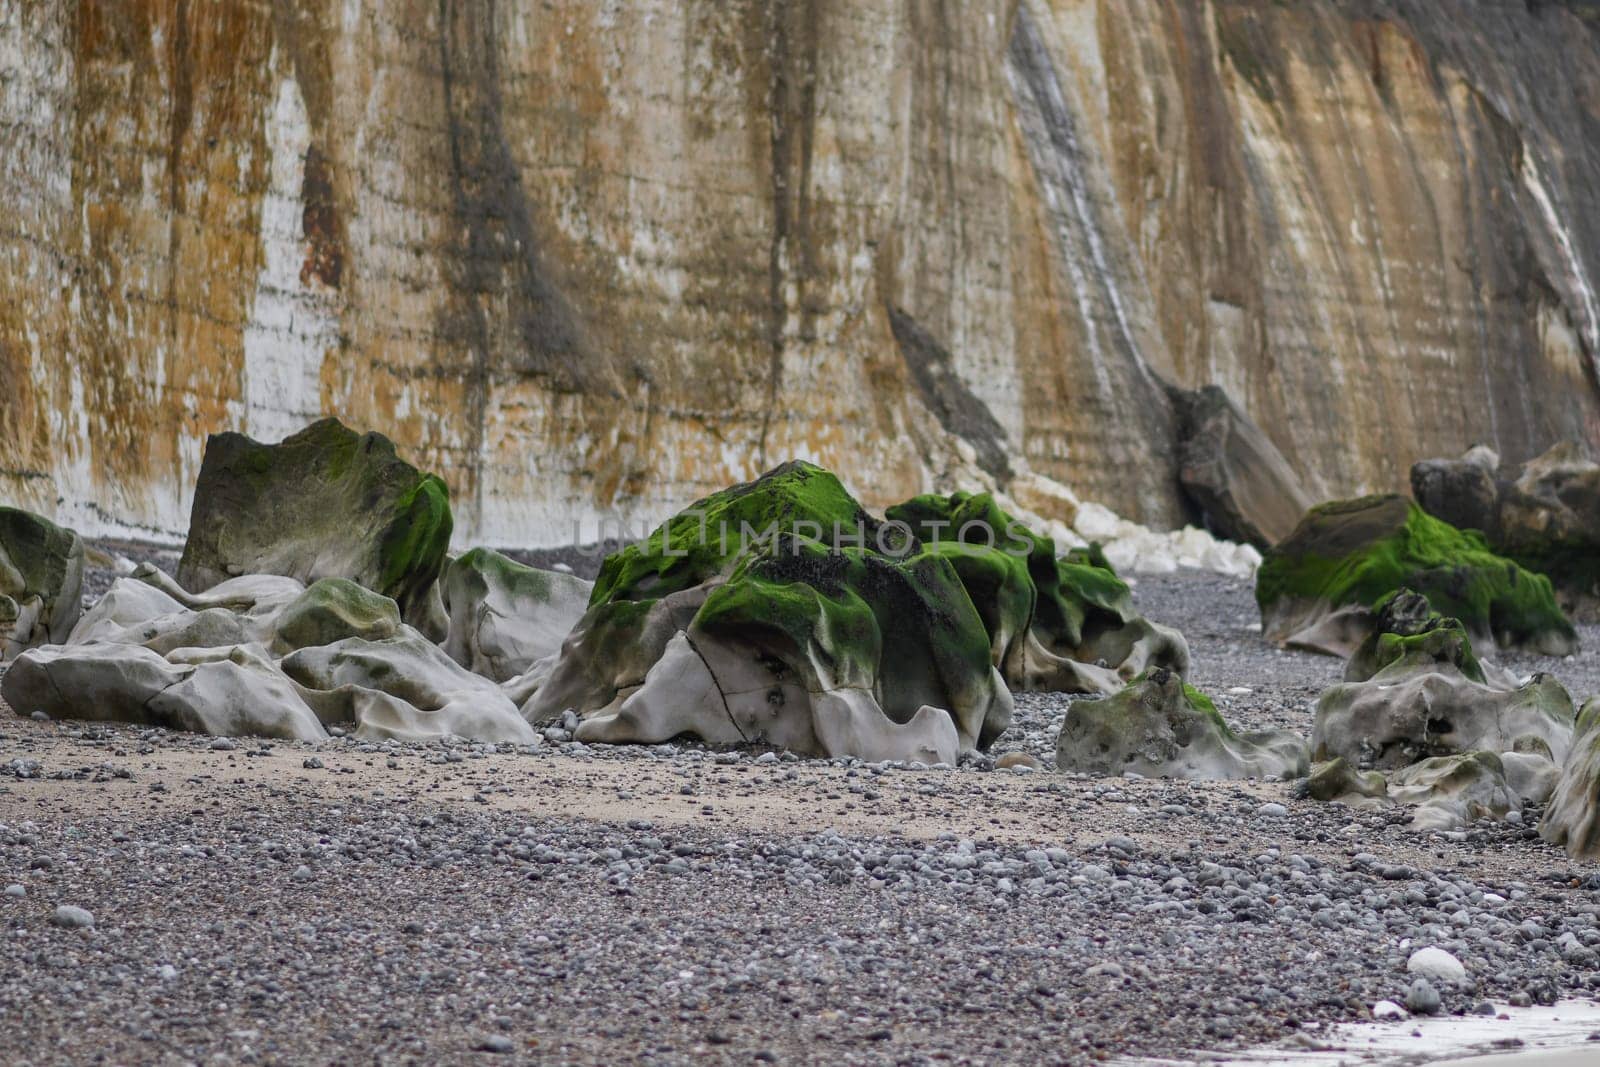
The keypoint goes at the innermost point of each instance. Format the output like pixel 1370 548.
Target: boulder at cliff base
pixel 1546 517
pixel 1244 487
pixel 41 581
pixel 325 503
pixel 1317 588
pixel 1159 727
pixel 778 612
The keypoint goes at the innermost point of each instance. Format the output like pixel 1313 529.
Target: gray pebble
pixel 1422 998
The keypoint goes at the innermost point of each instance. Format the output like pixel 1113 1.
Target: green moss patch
pixel 1358 552
pixel 993 551
pixel 792 568
pixel 325 502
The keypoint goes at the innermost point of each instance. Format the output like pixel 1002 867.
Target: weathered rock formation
pixel 326 502
pixel 1420 721
pixel 504 617
pixel 41 581
pixel 1245 490
pixel 261 655
pixel 1319 588
pixel 586 262
pixel 1065 624
pixel 1573 817
pixel 780 612
pixel 1160 727
pixel 1545 516
pixel 1461 491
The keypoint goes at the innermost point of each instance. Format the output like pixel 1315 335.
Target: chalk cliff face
pixel 588 258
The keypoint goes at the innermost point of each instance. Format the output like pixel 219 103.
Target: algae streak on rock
pixel 586 259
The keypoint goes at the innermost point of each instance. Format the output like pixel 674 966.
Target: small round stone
pixel 1422 998
pixel 1436 964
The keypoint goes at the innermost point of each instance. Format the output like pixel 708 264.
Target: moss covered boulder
pixel 41 581
pixel 1319 587
pixel 779 612
pixel 1545 516
pixel 1408 634
pixel 1160 727
pixel 1415 690
pixel 505 617
pixel 325 503
pixel 331 610
pixel 1063 623
pixel 1421 721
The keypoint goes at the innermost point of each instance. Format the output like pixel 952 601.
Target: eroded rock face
pixel 1463 492
pixel 1452 791
pixel 1572 819
pixel 1065 624
pixel 1161 728
pixel 1420 721
pixel 779 612
pixel 225 690
pixel 1428 696
pixel 504 617
pixel 862 258
pixel 1319 587
pixel 326 502
pixel 403 687
pixel 1546 516
pixel 261 655
pixel 1244 487
pixel 41 579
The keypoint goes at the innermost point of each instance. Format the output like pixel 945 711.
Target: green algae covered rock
pixel 779 612
pixel 41 581
pixel 1421 721
pixel 1161 727
pixel 1318 588
pixel 331 610
pixel 325 503
pixel 504 616
pixel 1415 690
pixel 1407 632
pixel 1052 621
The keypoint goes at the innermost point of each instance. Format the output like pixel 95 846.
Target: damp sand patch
pixel 1566 1034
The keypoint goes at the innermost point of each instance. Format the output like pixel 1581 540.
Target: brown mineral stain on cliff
pixel 580 259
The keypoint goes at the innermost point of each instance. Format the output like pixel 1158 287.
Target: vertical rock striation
pixel 601 259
